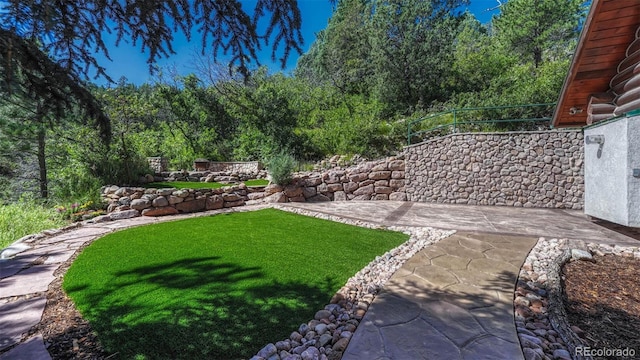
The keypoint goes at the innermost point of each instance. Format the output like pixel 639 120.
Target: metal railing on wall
pixel 527 117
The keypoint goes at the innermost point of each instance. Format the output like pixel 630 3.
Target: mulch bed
pixel 65 332
pixel 602 299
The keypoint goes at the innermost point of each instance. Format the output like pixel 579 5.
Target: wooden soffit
pixel 608 30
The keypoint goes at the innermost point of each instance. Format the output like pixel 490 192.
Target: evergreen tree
pixel 539 30
pixel 413 43
pixel 342 52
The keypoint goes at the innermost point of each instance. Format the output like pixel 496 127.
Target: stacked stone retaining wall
pixel 539 169
pixel 372 180
pixel 239 167
pixel 136 201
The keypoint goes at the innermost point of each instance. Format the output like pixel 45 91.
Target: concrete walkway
pixel 451 300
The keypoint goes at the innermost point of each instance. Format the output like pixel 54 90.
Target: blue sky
pixel 130 62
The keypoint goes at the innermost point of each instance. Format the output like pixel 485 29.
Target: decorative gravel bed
pixel 327 335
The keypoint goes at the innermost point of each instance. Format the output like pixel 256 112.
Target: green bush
pixel 280 167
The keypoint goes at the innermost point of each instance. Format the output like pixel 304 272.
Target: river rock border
pixel 327 335
pixel 541 320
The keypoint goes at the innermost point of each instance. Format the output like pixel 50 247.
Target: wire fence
pixel 528 117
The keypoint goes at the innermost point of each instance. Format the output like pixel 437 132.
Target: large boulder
pixel 229 204
pixel 192 206
pixel 309 192
pixel 396 165
pixel 140 204
pixel 365 190
pixel 214 202
pixel 272 189
pixel 278 197
pixel 293 191
pixel 127 214
pixel 380 175
pixel 231 197
pixel 318 198
pixel 159 211
pixel 160 201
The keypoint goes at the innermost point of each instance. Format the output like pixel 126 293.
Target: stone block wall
pixel 373 180
pixel 540 169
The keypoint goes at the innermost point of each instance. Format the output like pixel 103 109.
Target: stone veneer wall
pixel 539 169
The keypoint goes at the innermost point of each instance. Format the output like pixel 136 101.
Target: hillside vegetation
pixel 375 66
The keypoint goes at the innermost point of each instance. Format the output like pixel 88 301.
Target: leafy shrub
pixel 280 167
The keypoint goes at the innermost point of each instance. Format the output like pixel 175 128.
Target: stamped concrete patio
pixel 452 300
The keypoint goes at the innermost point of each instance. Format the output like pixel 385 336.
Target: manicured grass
pixel 24 218
pixel 202 185
pixel 217 287
pixel 256 182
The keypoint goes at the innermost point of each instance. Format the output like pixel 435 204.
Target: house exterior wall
pixel 612 192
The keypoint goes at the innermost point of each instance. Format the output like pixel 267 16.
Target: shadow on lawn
pixel 197 308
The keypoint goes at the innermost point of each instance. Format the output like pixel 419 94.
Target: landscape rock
pixel 230 204
pixel 318 198
pixel 398 196
pixel 268 351
pixel 127 214
pixel 278 197
pixel 192 206
pixel 140 204
pixel 160 201
pixel 214 202
pixel 163 211
pixel 182 193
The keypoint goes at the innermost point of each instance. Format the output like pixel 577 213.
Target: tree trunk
pixel 42 163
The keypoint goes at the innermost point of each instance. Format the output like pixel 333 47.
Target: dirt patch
pixel 602 299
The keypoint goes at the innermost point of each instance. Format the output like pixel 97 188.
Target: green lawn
pixel 202 185
pixel 217 287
